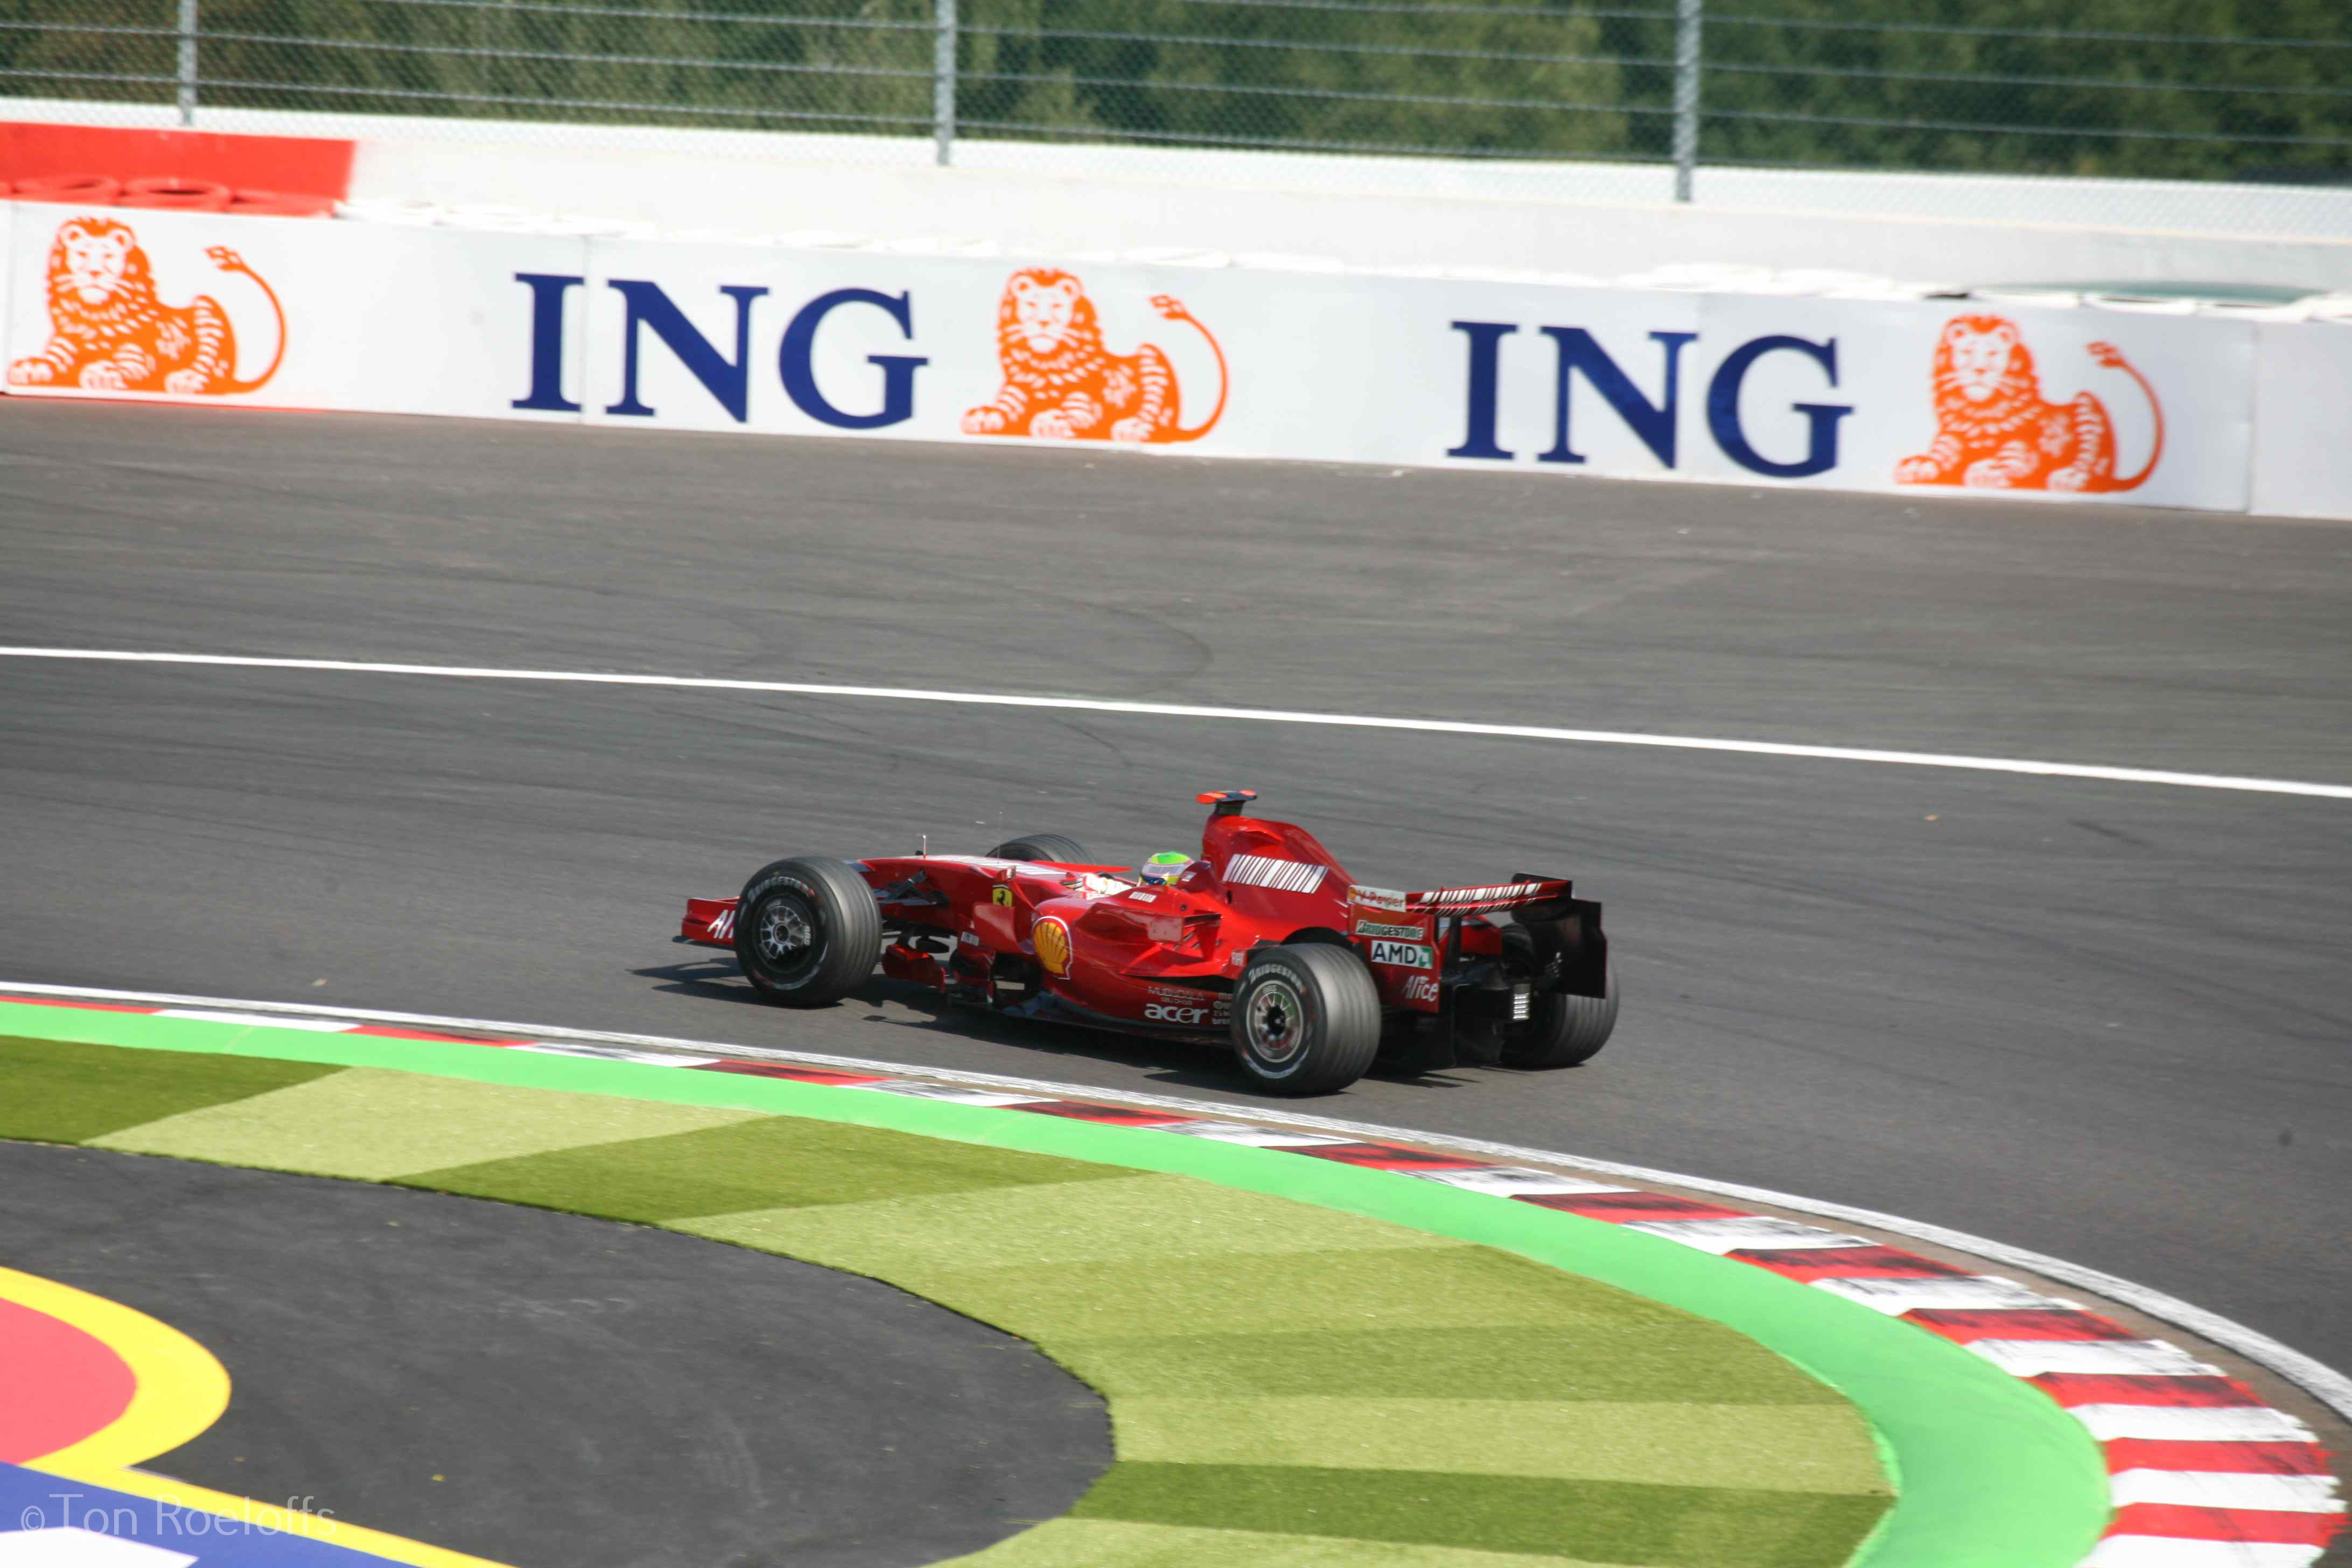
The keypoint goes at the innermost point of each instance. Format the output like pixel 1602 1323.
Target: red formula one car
pixel 1262 941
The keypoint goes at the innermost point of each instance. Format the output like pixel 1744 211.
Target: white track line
pixel 2322 1382
pixel 1194 711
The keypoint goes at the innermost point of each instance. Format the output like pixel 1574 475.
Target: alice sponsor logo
pixel 1421 988
pixel 1404 954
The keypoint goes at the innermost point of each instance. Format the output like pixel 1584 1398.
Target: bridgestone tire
pixel 807 932
pixel 1305 1019
pixel 1050 847
pixel 1561 1030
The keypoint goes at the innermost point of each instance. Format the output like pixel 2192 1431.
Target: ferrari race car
pixel 1262 941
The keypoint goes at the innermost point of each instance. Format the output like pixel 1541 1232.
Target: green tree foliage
pixel 2173 89
pixel 2155 89
pixel 1474 77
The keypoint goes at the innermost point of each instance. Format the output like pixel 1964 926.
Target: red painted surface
pixel 2234 1458
pixel 2016 1323
pixel 61 1383
pixel 2253 1524
pixel 298 165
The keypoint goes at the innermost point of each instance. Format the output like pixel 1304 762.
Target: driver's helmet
pixel 1164 866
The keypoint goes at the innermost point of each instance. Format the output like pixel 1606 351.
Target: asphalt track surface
pixel 542 1388
pixel 2104 1021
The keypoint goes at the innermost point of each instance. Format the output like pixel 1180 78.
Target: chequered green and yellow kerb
pixel 1290 1386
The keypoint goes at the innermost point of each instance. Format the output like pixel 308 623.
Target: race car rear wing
pixel 1517 894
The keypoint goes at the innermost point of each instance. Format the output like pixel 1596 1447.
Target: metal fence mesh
pixel 2190 89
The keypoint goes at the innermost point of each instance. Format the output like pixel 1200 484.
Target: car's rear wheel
pixel 807 932
pixel 1561 1030
pixel 1305 1019
pixel 1053 846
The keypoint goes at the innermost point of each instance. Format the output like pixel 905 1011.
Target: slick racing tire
pixel 1305 1019
pixel 1561 1030
pixel 807 932
pixel 1051 847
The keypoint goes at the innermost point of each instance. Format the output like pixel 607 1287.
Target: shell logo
pixel 1051 936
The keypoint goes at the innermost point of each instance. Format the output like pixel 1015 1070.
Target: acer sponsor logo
pixel 1402 933
pixel 1404 954
pixel 1168 1013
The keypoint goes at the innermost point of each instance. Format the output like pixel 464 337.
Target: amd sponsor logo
pixel 1403 933
pixel 1404 954
pixel 1166 1012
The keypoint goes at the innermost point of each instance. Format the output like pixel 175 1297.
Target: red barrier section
pixel 82 190
pixel 187 195
pixel 281 203
pixel 303 166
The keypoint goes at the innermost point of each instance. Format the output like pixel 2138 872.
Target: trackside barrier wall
pixel 1325 365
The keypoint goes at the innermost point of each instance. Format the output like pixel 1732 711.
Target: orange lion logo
pixel 1061 383
pixel 1993 431
pixel 109 332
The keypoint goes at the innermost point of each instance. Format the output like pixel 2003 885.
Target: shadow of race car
pixel 1262 941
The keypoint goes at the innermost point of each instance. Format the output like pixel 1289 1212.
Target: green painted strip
pixel 373 1124
pixel 1120 1543
pixel 1991 1473
pixel 52 1096
pixel 1621 1522
pixel 1133 1219
pixel 1678 1358
pixel 762 1164
pixel 1770 1448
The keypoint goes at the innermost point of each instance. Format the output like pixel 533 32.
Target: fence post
pixel 1687 26
pixel 943 80
pixel 187 94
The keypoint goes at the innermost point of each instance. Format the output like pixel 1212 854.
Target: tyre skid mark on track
pixel 2202 1473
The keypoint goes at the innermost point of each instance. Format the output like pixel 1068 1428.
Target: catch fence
pixel 2225 91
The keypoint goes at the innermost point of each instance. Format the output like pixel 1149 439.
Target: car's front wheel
pixel 807 932
pixel 1056 847
pixel 1305 1019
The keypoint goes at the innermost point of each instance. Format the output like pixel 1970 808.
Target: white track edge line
pixel 1194 711
pixel 2315 1377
